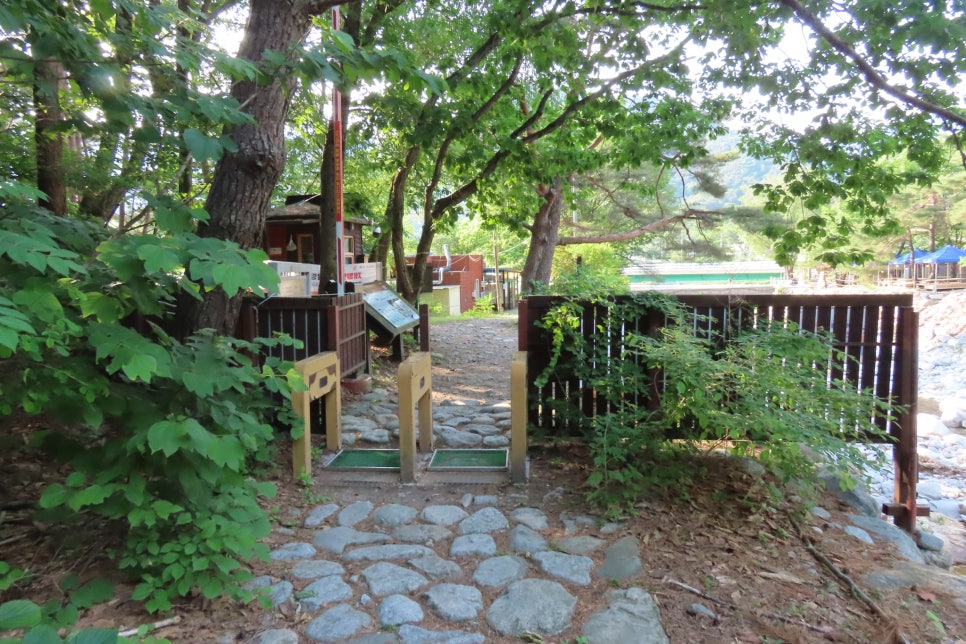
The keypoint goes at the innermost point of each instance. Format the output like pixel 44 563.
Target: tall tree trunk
pixel 181 72
pixel 395 209
pixel 48 74
pixel 326 254
pixel 381 251
pixel 544 234
pixel 244 180
pixel 423 249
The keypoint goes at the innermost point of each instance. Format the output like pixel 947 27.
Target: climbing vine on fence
pixel 661 394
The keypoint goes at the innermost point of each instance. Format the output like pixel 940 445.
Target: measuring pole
pixel 497 284
pixel 337 153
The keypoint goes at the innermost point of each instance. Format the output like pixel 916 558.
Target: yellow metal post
pixel 321 374
pixel 519 416
pixel 415 382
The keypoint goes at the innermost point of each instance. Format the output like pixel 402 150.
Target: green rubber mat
pixel 365 459
pixel 469 459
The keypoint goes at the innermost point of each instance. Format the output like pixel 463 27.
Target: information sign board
pixel 387 311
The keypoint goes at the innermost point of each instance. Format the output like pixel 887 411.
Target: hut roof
pixel 307 208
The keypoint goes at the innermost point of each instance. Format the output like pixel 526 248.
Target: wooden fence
pixel 878 333
pixel 323 323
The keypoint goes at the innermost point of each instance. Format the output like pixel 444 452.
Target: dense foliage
pixel 554 109
pixel 766 391
pixel 159 435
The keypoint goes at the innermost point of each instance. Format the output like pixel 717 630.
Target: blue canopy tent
pixel 942 264
pixel 904 259
pixel 901 266
pixel 945 255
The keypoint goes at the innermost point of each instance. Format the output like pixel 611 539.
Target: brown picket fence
pixel 878 334
pixel 322 323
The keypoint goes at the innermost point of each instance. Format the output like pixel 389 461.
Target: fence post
pixel 415 385
pixel 904 453
pixel 523 322
pixel 424 327
pixel 519 417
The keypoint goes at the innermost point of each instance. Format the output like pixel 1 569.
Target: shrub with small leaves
pixel 764 391
pixel 482 307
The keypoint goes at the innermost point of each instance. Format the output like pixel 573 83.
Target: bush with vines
pixel 766 392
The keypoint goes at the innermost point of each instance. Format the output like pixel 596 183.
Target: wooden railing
pixel 322 323
pixel 877 333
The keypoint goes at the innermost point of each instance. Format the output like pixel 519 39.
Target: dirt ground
pixel 471 358
pixel 722 543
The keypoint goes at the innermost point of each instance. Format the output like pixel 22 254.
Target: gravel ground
pixel 472 356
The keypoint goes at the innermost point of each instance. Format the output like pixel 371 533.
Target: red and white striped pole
pixel 337 150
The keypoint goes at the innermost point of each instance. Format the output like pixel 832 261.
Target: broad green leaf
pixel 232 278
pixel 91 495
pixel 15 191
pixel 147 134
pixel 37 251
pixel 157 603
pixel 174 218
pixel 19 613
pixel 9 339
pixel 266 489
pixel 13 324
pixel 166 436
pixel 228 452
pixel 201 146
pixel 125 349
pixel 37 298
pixel 236 68
pixel 53 496
pixel 201 440
pixel 102 307
pixel 94 636
pixel 343 40
pixel 94 592
pixel 211 587
pixel 67 615
pixel 141 367
pixel 164 509
pixel 159 259
pixel 41 634
pixel 134 490
pixel 76 479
